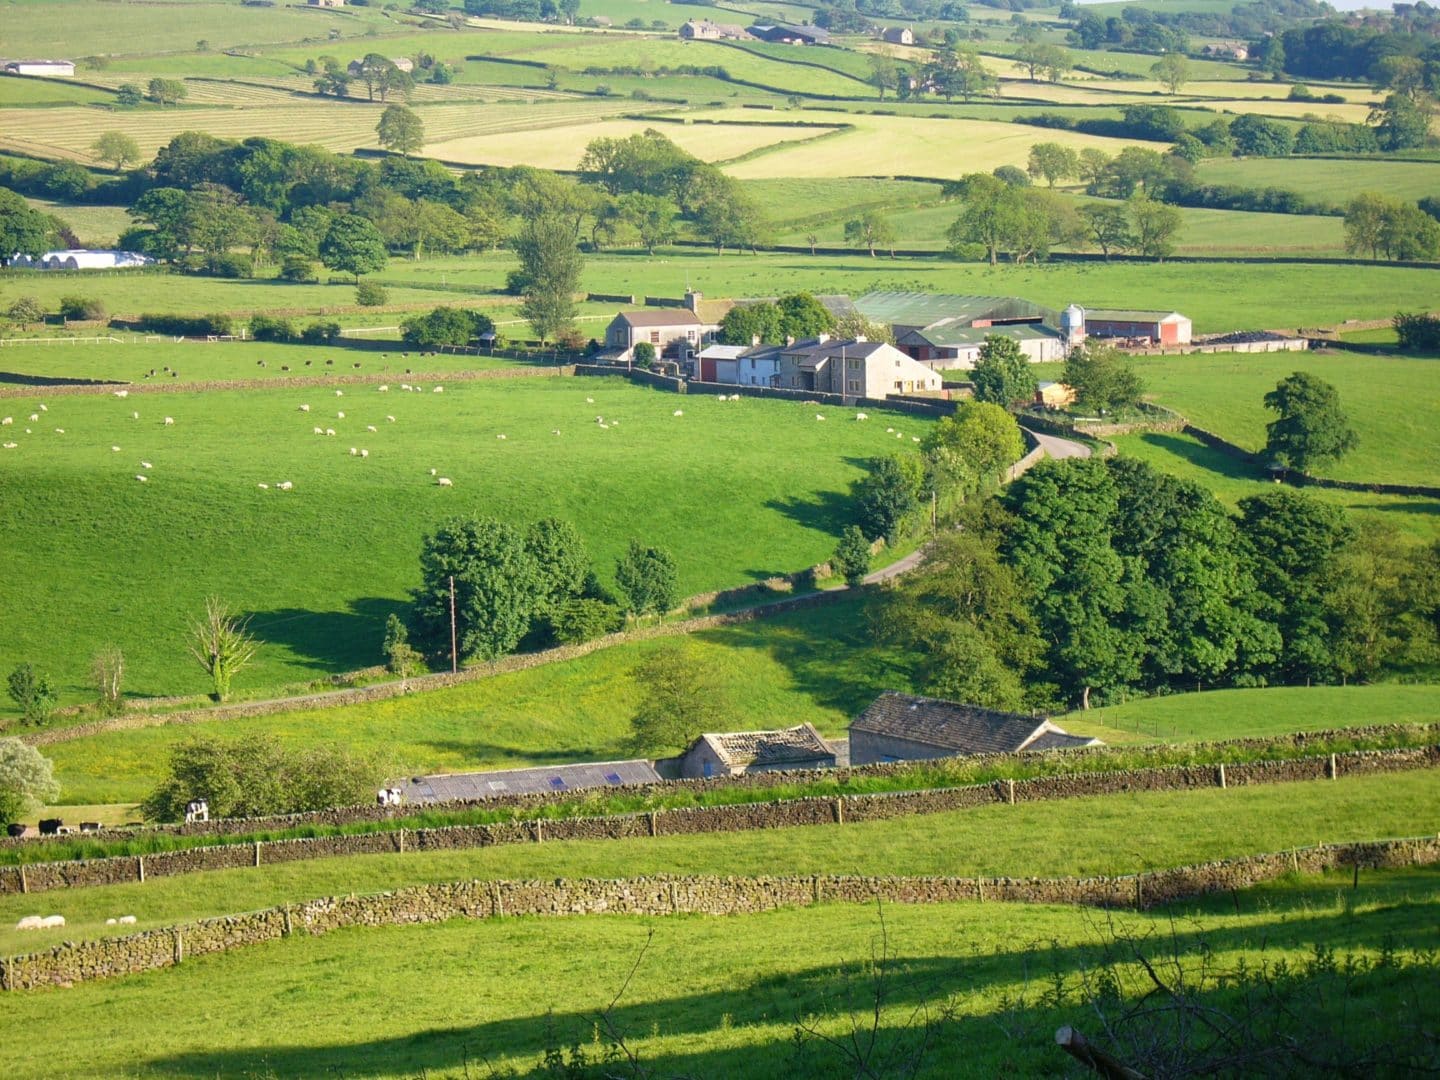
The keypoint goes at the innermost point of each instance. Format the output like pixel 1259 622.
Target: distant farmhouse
pixel 81 259
pixel 898 35
pixel 49 68
pixel 900 727
pixel 942 331
pixel 326 3
pixel 705 30
pixel 850 367
pixel 1230 50
pixel 739 752
pixel 783 34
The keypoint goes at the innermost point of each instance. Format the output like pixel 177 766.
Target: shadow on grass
pixel 328 642
pixel 1012 995
pixel 825 511
pixel 1201 456
pixel 1428 509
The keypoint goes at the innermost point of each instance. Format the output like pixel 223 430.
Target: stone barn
pixel 900 727
pixel 739 752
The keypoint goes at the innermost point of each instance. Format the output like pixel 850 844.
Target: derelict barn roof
pixel 790 746
pixel 965 729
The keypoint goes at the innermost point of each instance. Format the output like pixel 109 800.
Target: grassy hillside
pixel 320 567
pixel 306 1005
pixel 1335 180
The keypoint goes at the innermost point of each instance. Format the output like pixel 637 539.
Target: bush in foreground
pixel 26 780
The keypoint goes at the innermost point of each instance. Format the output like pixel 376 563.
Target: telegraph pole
pixel 454 655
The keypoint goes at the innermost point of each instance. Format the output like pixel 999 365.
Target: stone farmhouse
pixel 676 333
pixel 783 34
pixel 326 3
pixel 853 367
pixel 705 30
pixel 900 727
pixel 48 68
pixel 739 752
pixel 898 35
pixel 356 68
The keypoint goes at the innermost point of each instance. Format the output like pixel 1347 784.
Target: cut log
pixel 1093 1058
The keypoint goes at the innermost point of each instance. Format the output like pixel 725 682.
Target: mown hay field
pixel 321 566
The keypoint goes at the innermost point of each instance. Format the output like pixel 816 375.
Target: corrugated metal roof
pixel 1129 315
pixel 954 334
pixel 484 785
pixel 918 309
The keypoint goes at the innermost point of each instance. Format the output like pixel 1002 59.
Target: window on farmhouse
pixel 854 384
pixel 654 337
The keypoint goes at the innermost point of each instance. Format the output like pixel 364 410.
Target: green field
pixel 1334 180
pixel 319 568
pixel 15 90
pixel 97 226
pixel 1391 401
pixel 1161 829
pixel 498 992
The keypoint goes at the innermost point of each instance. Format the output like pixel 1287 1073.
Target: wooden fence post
pixel 257 852
pixel 140 866
pixel 1220 775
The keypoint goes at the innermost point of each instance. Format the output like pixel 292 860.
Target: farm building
pixel 81 259
pixel 676 334
pixel 1229 50
pixel 51 68
pixel 949 344
pixel 739 752
pixel 483 785
pixel 325 3
pixel 705 30
pixel 1159 327
pixel 945 331
pixel 356 68
pixel 1054 395
pixel 898 35
pixel 853 367
pixel 899 727
pixel 783 34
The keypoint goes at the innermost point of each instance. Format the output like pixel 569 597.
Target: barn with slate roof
pixel 900 727
pixel 738 752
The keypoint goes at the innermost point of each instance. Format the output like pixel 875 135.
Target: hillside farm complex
pixel 615 538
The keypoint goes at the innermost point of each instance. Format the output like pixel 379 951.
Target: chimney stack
pixel 692 301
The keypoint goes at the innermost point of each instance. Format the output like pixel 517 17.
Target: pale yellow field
pixel 1067 93
pixel 909 146
pixel 69 132
pixel 561 147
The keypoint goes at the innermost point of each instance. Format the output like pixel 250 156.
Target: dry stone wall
pixel 776 814
pixel 74 962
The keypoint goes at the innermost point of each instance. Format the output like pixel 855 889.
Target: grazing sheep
pixel 555 431
pixel 599 419
pixel 27 431
pixel 370 427
pixel 439 389
pixel 263 487
pixel 354 452
pixel 339 393
pixel 285 485
pixel 110 922
pixel 319 431
pixel 364 453
pixel 340 415
pixel 115 449
pixel 433 471
pixel 59 431
pixel 43 407
pixel 899 434
pixel 914 438
pixel 889 431
pixel 142 478
pixel 146 465
pixel 7 421
pixel 404 386
pixel 389 419
pixel 861 416
pixel 819 416
pixel 169 421
pixel 500 436
pixel 34 417
pixel 11 445
pixel 678 412
pixel 304 408
pixel 329 431
pixel 134 416
pixel 29 922
pixel 122 393
pixel 383 389
pixel 126 920
pixel 444 481
pixel 52 921
pixel 589 401
pixel 604 427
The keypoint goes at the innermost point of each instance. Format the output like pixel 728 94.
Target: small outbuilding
pixel 901 727
pixel 898 35
pixel 1160 327
pixel 736 753
pixel 48 68
pixel 1054 395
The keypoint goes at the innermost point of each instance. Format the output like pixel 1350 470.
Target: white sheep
pixel 383 389
pixel 439 389
pixel 142 478
pixel 285 485
pixel 115 449
pixel 604 427
pixel 340 415
pixel 30 922
pixel 404 386
pixel 52 921
pixel 589 401
pixel 500 436
pixel 554 431
pixel 27 431
pixel 678 412
pixel 339 393
pixel 304 408
pixel 122 393
pixel 7 421
pixel 263 487
pixel 444 481
pixel 389 419
pixel 434 471
pixel 329 431
pixel 599 419
pixel 319 431
pixel 127 920
pixel 11 445
pixel 34 417
pixel 134 416
pixel 819 416
pixel 146 465
pixel 44 407
pixel 169 421
pixel 861 416
pixel 889 431
pixel 914 438
pixel 110 921
pixel 354 452
pixel 370 427
pixel 364 453
pixel 899 434
pixel 59 431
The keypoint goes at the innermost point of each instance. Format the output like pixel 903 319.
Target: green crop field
pixel 1392 403
pixel 1335 180
pixel 500 992
pixel 321 566
pixel 97 226
pixel 1161 829
pixel 19 90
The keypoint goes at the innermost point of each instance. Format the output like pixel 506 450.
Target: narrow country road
pixel 1058 448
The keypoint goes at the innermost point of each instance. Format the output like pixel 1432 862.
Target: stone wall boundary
pixel 39 877
pixel 164 947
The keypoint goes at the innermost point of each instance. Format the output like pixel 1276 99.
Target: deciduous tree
pixel 551 263
pixel 221 643
pixel 1002 373
pixel 1311 428
pixel 400 130
pixel 27 780
pixel 117 148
